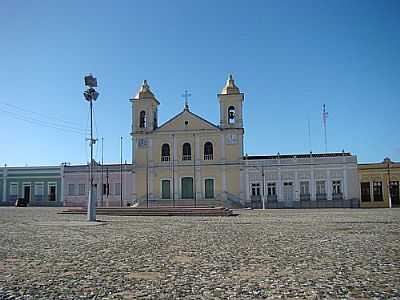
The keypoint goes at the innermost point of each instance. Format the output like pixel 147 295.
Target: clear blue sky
pixel 288 57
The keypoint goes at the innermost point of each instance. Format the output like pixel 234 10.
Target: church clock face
pixel 231 139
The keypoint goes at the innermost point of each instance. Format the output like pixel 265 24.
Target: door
pixel 288 191
pixel 394 193
pixel 187 188
pixel 27 193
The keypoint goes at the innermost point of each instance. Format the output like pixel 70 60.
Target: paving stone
pixel 275 254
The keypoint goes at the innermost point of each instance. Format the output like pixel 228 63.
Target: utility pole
pixel 147 176
pixel 388 171
pixel 263 186
pixel 102 164
pixel 120 172
pixel 194 170
pixel 173 170
pixel 91 95
pixel 324 118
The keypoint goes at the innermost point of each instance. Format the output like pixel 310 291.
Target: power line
pixel 15 107
pixel 43 123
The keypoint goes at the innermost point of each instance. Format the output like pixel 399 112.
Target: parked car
pixel 21 202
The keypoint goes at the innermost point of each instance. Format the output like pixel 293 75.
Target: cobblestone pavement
pixel 314 254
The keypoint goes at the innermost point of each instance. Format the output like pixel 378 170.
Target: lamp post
pixel 120 172
pixel 388 172
pixel 91 95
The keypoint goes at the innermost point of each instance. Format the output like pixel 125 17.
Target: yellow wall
pixel 378 172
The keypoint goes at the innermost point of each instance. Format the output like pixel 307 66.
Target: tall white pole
pixel 91 203
pixel 91 95
pixel 324 118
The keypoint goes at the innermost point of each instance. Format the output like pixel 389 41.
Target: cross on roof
pixel 186 95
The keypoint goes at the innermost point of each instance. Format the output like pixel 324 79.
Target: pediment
pixel 187 120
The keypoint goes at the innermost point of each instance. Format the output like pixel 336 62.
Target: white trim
pixel 51 184
pixel 35 184
pixel 24 184
pixel 9 191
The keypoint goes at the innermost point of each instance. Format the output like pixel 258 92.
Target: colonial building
pixel 188 159
pixel 302 180
pixel 376 180
pixel 39 186
pixel 112 185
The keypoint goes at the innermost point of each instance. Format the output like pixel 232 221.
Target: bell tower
pixel 231 105
pixel 144 110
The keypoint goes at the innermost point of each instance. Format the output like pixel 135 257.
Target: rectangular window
pixel 52 195
pixel 365 192
pixel 81 189
pixel 271 189
pixel 166 189
pixel 209 188
pixel 14 189
pixel 106 189
pixel 378 195
pixel 38 191
pixel 336 187
pixel 71 189
pixel 117 188
pixel 321 187
pixel 255 189
pixel 304 188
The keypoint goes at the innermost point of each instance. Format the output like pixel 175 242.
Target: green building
pixel 40 186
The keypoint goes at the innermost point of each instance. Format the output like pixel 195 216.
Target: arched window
pixel 186 152
pixel 165 153
pixel 208 151
pixel 155 119
pixel 231 115
pixel 142 119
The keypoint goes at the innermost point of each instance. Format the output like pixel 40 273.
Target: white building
pixel 108 180
pixel 304 180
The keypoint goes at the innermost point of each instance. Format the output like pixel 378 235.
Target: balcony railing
pixel 337 196
pixel 305 197
pixel 208 157
pixel 187 157
pixel 321 196
pixel 165 158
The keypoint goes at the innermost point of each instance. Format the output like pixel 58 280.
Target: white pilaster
pixel 279 197
pixel 296 186
pixel 62 184
pixel 329 185
pixel 345 184
pixel 313 190
pixel 5 173
pixel 151 170
pixel 247 182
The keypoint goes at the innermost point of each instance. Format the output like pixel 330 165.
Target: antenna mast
pixel 324 118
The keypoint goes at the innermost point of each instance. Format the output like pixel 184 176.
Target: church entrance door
pixel 187 188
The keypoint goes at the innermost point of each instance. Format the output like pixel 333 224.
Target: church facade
pixel 188 159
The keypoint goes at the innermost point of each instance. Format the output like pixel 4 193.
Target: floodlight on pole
pixel 91 95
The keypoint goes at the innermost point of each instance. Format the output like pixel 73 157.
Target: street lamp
pixel 91 95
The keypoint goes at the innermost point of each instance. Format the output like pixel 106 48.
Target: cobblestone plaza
pixel 331 253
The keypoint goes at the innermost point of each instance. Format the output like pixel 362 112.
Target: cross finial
pixel 186 95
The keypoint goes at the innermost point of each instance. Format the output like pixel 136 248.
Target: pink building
pixel 113 185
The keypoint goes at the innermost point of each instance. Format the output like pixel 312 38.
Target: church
pixel 191 161
pixel 188 159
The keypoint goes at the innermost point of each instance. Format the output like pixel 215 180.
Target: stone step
pixel 156 211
